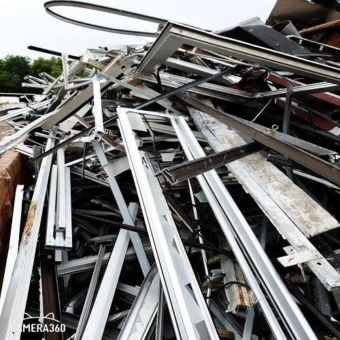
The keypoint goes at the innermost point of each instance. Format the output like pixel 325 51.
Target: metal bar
pixel 15 302
pixel 144 309
pixel 90 294
pixel 44 50
pixel 229 233
pixel 97 320
pixel 286 306
pixel 189 314
pixel 182 88
pixel 97 110
pixel 49 237
pixel 248 327
pixel 13 243
pixel 137 91
pixel 136 241
pixel 68 209
pixel 160 315
pixel 268 137
pixel 189 169
pixel 49 289
pixel 226 320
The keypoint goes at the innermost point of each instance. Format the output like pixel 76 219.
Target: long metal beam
pixel 189 313
pixel 12 316
pixel 228 232
pixel 269 138
pixel 286 306
pixel 98 317
pixel 189 169
pixel 287 206
pixel 144 309
pixel 135 238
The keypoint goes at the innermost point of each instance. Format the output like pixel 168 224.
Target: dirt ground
pixel 3 127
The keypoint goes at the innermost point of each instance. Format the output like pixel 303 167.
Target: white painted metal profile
pixel 188 310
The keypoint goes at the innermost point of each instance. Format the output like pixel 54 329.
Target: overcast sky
pixel 24 23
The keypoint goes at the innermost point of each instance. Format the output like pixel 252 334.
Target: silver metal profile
pixel 229 233
pixel 136 241
pixel 15 302
pixel 90 294
pixel 279 293
pixel 144 309
pixel 189 313
pixel 97 320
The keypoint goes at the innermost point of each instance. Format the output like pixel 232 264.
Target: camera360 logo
pixel 53 326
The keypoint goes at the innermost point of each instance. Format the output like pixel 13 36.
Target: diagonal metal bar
pixel 189 169
pixel 269 138
pixel 183 88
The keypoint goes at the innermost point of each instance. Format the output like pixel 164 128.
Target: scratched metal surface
pixel 305 213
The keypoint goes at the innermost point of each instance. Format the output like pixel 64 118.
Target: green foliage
pixel 52 66
pixel 10 82
pixel 13 69
pixel 17 65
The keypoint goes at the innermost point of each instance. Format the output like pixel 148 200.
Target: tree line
pixel 14 68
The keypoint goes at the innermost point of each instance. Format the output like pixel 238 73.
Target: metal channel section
pixel 97 109
pixel 13 243
pixel 61 199
pixel 186 170
pixel 233 243
pixel 50 241
pixel 280 296
pixel 144 309
pixel 136 241
pixel 15 302
pixel 90 294
pixel 269 138
pixel 97 320
pixel 189 313
pixel 249 173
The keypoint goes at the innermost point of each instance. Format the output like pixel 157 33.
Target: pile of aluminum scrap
pixel 185 189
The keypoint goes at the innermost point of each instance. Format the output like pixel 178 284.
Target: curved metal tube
pixel 78 4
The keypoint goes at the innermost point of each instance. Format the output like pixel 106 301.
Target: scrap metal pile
pixel 185 189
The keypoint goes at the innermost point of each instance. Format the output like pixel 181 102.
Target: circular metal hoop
pixel 78 4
